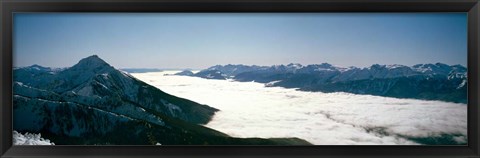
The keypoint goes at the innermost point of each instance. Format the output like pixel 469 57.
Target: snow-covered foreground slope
pixel 29 139
pixel 249 109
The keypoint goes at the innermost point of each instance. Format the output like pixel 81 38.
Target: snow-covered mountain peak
pixel 35 66
pixel 216 67
pixel 93 64
pixel 295 65
pixel 326 65
pixel 377 66
pixel 388 67
pixel 441 65
pixel 394 66
pixel 92 61
pixel 38 68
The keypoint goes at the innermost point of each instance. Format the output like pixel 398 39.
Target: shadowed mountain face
pixel 94 103
pixel 422 81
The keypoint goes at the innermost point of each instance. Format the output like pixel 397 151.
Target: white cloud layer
pixel 250 109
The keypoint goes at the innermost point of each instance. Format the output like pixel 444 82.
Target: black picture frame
pixel 10 6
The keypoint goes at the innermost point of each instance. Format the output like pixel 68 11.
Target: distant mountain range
pixel 422 81
pixel 141 70
pixel 94 103
pixel 144 70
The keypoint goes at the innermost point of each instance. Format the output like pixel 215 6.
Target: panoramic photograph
pixel 288 79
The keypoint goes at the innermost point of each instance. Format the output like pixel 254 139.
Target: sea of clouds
pixel 249 109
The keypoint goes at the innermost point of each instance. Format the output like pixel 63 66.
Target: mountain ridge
pixel 94 103
pixel 424 81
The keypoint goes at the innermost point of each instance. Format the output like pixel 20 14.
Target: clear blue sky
pixel 200 40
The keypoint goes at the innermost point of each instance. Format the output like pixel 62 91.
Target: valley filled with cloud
pixel 249 109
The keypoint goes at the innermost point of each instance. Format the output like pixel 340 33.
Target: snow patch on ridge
pixel 269 84
pixel 29 139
